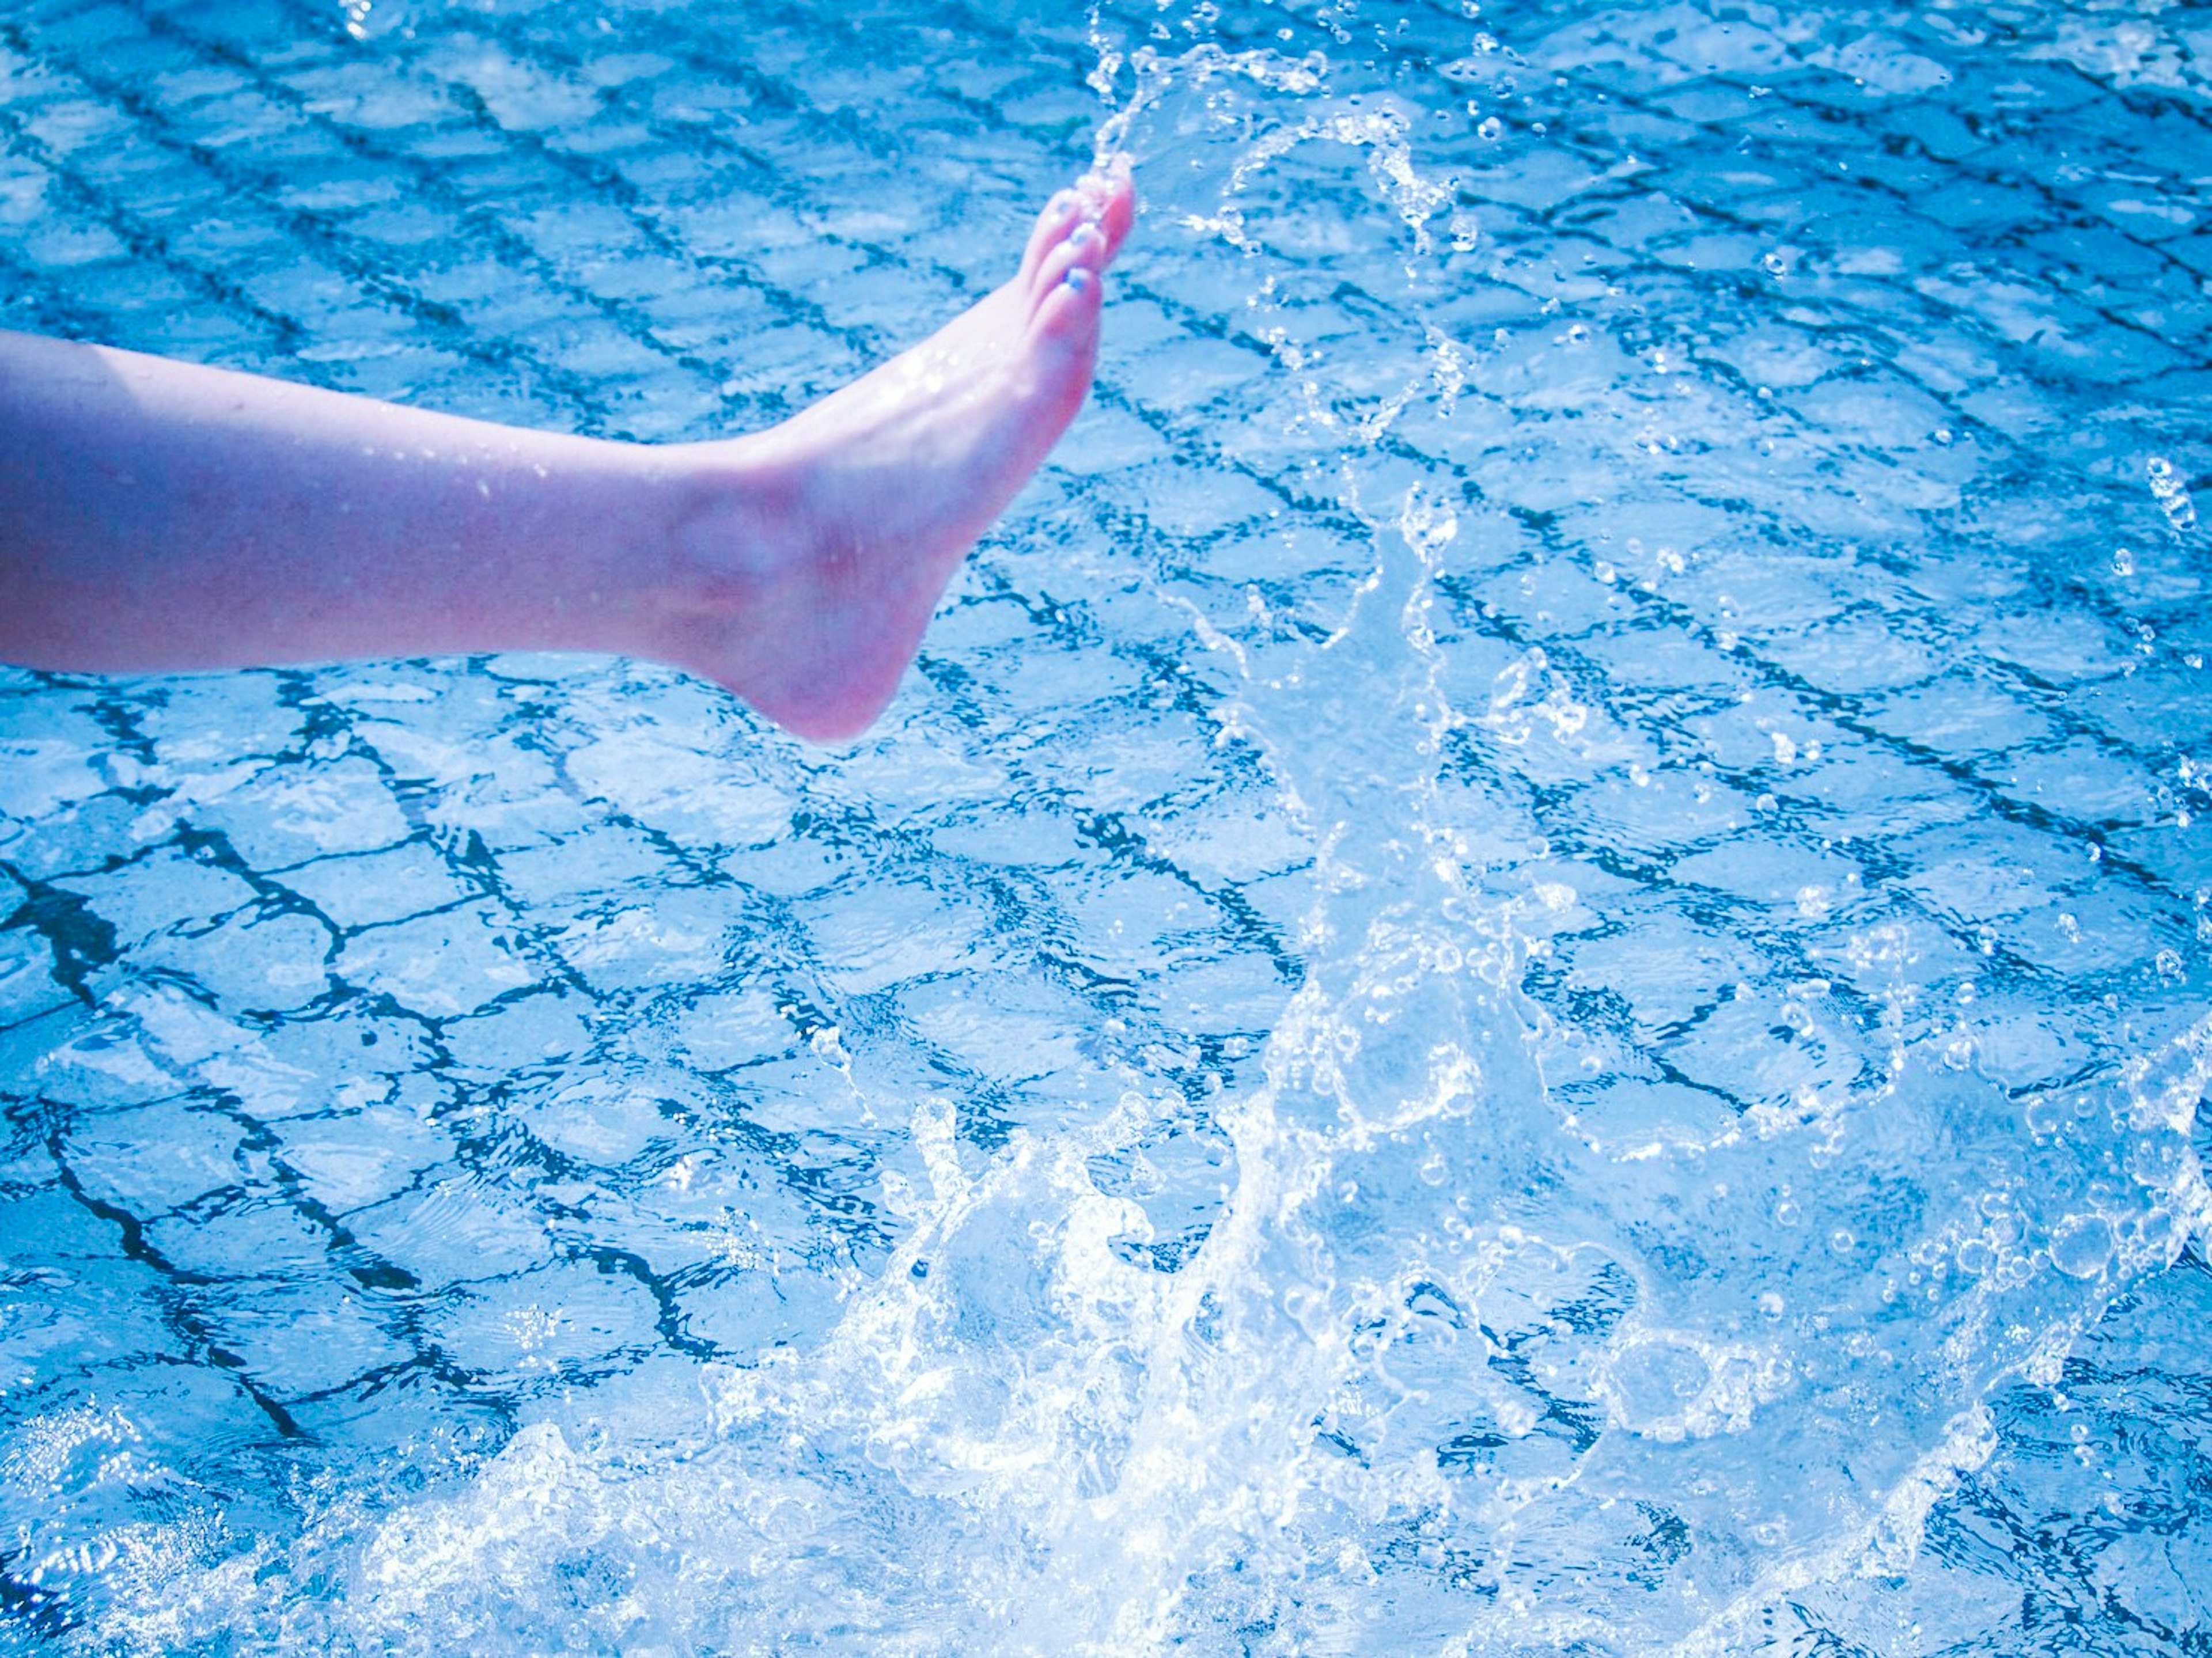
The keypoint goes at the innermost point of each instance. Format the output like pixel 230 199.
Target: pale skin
pixel 160 516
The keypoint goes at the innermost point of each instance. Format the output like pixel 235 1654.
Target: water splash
pixel 2171 493
pixel 1641 1104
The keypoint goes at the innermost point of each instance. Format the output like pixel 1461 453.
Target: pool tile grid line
pixel 608 185
pixel 789 97
pixel 31 305
pixel 150 240
pixel 363 263
pixel 429 1358
pixel 120 223
pixel 342 1247
pixel 478 870
pixel 1577 658
pixel 1769 674
pixel 1898 206
pixel 785 299
pixel 360 261
pixel 1591 679
pixel 192 1323
pixel 883 142
pixel 600 181
pixel 1592 682
pixel 193 1301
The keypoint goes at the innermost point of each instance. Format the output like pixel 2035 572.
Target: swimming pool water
pixel 1526 971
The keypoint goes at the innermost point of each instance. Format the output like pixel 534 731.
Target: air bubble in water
pixel 2082 1246
pixel 1490 130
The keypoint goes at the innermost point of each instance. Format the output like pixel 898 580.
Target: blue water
pixel 1526 971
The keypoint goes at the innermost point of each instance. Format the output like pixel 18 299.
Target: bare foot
pixel 825 542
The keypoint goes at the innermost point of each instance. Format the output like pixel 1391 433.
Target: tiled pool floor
pixel 1527 967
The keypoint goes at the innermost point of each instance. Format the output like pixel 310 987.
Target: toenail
pixel 1078 279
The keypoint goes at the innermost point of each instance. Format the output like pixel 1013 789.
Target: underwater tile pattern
pixel 1542 906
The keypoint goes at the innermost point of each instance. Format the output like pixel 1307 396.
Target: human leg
pixel 157 515
pixel 813 574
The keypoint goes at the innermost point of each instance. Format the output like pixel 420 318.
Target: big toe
pixel 1109 196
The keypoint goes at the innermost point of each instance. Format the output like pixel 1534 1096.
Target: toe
pixel 1109 196
pixel 1085 251
pixel 1061 214
pixel 1066 320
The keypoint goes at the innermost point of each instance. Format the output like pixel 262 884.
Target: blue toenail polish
pixel 1078 279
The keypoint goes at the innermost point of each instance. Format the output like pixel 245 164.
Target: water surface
pixel 1526 971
